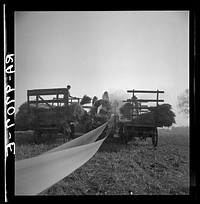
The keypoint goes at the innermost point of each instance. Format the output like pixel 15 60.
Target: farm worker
pixel 94 100
pixel 68 88
pixel 72 128
pixel 67 95
pixel 105 96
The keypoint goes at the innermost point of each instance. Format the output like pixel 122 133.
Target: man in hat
pixel 68 88
pixel 67 95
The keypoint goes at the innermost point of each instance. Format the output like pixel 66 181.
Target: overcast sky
pixel 97 51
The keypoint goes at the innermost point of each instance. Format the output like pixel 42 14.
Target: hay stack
pixel 161 116
pixel 85 100
pixel 164 116
pixel 47 116
pixel 145 119
pixel 77 110
pixel 23 120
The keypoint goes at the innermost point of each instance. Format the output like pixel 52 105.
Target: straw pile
pixel 23 121
pixel 164 116
pixel 85 100
pixel 161 116
pixel 47 116
pixel 76 110
pixel 105 108
pixel 145 119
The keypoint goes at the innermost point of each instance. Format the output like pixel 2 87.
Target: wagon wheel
pixel 155 138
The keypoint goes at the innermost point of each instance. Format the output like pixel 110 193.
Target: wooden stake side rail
pixel 58 91
pixel 143 91
pixel 144 100
pixel 139 126
pixel 141 108
pixel 136 103
pixel 55 101
pixel 48 101
pixel 55 91
pixel 134 99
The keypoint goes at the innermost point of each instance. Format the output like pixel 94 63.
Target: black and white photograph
pixel 102 103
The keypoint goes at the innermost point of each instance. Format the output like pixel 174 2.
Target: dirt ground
pixel 118 169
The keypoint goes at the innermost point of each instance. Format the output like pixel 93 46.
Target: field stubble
pixel 118 169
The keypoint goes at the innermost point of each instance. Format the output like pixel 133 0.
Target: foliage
pixel 76 110
pixel 126 110
pixel 161 116
pixel 145 119
pixel 116 169
pixel 58 114
pixel 21 121
pixel 85 100
pixel 183 103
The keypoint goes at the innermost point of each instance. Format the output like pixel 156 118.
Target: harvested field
pixel 119 169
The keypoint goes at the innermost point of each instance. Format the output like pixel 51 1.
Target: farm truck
pixel 141 122
pixel 51 111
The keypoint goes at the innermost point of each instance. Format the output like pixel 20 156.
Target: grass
pixel 119 169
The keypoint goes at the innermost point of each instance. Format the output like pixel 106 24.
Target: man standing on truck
pixel 67 95
pixel 68 88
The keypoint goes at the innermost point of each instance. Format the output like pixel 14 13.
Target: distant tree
pixel 183 103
